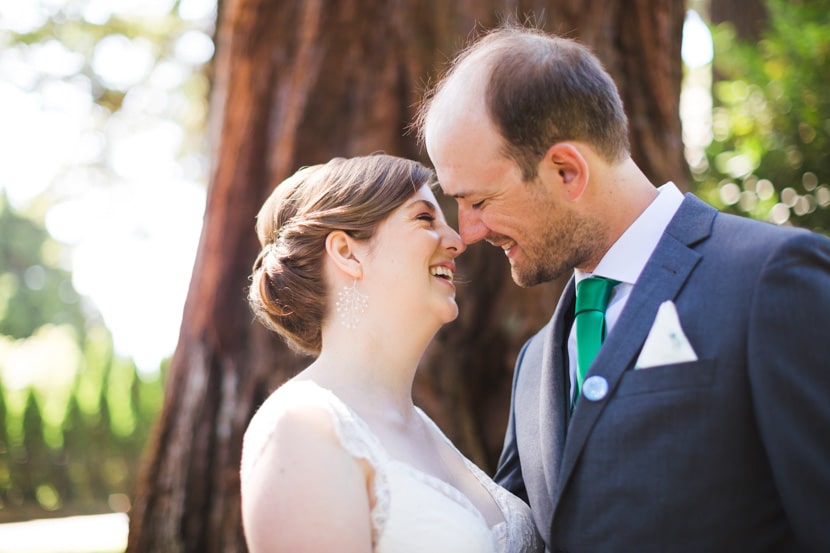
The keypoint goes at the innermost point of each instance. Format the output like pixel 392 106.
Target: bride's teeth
pixel 441 271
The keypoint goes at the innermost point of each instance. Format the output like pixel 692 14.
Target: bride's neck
pixel 373 367
pixel 372 383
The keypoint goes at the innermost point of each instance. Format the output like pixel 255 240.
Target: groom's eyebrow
pixel 463 194
pixel 456 195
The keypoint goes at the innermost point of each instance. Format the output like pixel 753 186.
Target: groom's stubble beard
pixel 566 240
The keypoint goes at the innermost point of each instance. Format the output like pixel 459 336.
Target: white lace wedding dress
pixel 414 512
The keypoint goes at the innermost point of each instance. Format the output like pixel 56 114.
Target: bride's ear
pixel 341 249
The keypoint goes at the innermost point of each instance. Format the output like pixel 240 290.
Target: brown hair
pixel 288 291
pixel 540 90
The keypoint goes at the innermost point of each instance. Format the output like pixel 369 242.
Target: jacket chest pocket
pixel 667 378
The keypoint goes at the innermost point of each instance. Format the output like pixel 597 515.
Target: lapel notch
pixel 662 279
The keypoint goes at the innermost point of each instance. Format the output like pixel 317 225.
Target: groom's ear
pixel 342 250
pixel 567 167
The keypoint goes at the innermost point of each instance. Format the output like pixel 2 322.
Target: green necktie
pixel 592 295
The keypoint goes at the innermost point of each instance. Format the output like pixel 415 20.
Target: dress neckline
pixel 440 485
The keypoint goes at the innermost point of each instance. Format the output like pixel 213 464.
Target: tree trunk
pixel 297 83
pixel 749 17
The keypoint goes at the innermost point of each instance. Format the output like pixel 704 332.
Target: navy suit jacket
pixel 727 453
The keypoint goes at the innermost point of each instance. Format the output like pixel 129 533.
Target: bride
pixel 356 269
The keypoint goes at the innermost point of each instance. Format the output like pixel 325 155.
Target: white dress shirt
pixel 627 258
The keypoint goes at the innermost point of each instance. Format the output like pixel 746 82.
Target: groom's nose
pixel 470 225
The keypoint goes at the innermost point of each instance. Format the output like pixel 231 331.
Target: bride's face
pixel 411 261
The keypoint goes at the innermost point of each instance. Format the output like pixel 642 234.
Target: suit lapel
pixel 553 404
pixel 662 279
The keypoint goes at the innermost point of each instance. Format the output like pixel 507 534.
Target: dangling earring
pixel 351 304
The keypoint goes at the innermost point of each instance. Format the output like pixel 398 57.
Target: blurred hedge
pixel 75 448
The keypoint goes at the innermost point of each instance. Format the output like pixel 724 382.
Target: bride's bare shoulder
pixel 300 479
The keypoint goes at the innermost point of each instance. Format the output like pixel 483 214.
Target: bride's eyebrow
pixel 425 203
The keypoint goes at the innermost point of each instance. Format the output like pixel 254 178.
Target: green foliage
pixel 74 417
pixel 770 157
pixel 76 29
pixel 34 288
pixel 93 464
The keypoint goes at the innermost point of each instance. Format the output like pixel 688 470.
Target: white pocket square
pixel 666 344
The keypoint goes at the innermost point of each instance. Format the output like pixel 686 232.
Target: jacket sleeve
pixel 509 471
pixel 789 370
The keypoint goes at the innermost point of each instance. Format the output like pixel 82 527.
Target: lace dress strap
pixel 518 531
pixel 352 432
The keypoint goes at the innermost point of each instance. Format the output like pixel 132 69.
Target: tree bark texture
pixel 295 84
pixel 749 17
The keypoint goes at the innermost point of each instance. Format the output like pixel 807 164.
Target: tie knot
pixel 592 294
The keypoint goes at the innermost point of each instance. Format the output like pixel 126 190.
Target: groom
pixel 703 422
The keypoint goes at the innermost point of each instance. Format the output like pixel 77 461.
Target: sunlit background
pixel 127 187
pixel 102 113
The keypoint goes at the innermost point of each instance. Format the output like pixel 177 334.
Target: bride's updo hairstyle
pixel 288 292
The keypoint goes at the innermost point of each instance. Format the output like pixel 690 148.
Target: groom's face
pixel 531 221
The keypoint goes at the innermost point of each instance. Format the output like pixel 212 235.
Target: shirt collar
pixel 627 257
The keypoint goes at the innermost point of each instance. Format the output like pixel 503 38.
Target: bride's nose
pixel 453 242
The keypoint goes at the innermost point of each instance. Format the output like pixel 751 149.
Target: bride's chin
pixel 447 311
pixel 452 314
